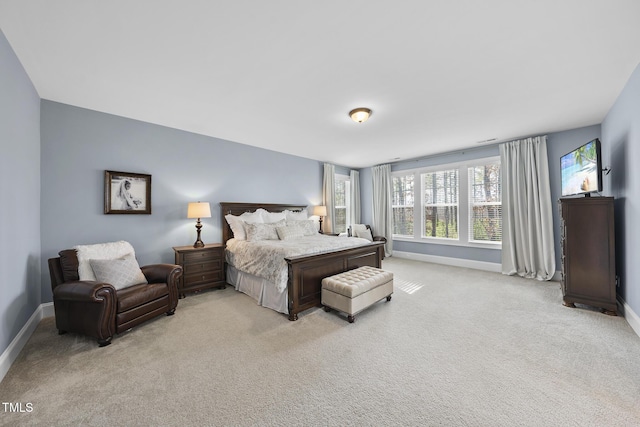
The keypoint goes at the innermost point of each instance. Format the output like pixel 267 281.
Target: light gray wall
pixel 621 150
pixel 558 144
pixel 20 195
pixel 78 145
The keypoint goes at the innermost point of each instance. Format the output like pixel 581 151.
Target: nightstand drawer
pixel 201 256
pixel 209 276
pixel 201 267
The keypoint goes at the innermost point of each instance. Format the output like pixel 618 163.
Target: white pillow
pixel 289 232
pixel 366 234
pixel 270 217
pixel 120 273
pixel 309 226
pixel 237 223
pixel 296 216
pixel 111 250
pixel 357 228
pixel 237 226
pixel 257 231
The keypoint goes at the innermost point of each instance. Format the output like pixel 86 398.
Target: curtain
pixel 527 224
pixel 328 188
pixel 382 209
pixel 354 183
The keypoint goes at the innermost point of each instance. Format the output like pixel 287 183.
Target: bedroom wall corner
pixel 20 288
pixel 621 152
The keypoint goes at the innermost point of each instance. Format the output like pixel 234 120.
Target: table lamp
pixel 198 210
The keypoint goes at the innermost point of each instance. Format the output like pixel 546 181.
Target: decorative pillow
pixel 271 217
pixel 255 217
pixel 257 231
pixel 119 273
pixel 111 250
pixel 289 232
pixel 366 234
pixel 237 226
pixel 237 223
pixel 296 216
pixel 309 227
pixel 357 228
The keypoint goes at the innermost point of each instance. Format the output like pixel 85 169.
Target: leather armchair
pixel 375 238
pixel 99 310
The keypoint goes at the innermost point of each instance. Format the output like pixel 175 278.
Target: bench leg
pixel 388 297
pixel 351 318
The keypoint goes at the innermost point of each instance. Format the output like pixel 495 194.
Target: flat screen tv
pixel 581 170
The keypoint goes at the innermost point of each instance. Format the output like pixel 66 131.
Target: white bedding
pixel 265 258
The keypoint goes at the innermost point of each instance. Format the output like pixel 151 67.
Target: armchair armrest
pixel 162 273
pixel 84 291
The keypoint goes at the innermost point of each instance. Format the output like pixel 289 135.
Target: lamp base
pixel 199 243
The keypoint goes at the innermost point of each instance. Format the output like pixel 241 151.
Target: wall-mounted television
pixel 581 169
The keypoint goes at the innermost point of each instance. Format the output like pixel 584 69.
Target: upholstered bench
pixel 354 290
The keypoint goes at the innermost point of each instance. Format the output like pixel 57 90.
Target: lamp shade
pixel 320 210
pixel 199 210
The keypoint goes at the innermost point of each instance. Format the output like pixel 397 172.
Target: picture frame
pixel 127 193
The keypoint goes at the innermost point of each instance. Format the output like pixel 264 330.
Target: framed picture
pixel 127 193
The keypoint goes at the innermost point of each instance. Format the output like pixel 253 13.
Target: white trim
pixel 13 350
pixel 630 316
pixel 456 262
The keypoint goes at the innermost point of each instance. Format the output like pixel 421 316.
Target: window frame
pixel 405 206
pixel 464 235
pixel 347 199
pixel 486 162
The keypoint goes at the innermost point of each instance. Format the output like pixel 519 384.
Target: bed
pixel 304 273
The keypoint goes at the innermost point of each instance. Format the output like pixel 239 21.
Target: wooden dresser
pixel 588 252
pixel 203 268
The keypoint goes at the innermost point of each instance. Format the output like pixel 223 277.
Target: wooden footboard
pixel 306 273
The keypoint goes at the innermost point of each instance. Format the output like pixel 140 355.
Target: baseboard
pixel 11 353
pixel 630 316
pixel 455 262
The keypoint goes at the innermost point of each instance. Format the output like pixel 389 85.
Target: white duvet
pixel 265 258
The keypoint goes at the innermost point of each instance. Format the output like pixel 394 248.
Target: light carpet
pixel 454 347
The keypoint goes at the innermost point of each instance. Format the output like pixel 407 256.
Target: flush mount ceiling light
pixel 360 114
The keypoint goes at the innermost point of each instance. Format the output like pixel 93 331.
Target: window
pixel 342 202
pixel 458 204
pixel 402 198
pixel 485 203
pixel 440 204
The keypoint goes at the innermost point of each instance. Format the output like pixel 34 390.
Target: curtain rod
pixel 451 153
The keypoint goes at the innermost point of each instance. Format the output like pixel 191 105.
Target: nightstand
pixel 203 268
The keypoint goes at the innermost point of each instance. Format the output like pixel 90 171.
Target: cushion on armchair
pixel 69 264
pixel 119 273
pixel 361 230
pixel 111 250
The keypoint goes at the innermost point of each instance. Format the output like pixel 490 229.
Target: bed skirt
pixel 264 292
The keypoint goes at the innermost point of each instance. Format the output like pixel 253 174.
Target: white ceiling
pixel 439 75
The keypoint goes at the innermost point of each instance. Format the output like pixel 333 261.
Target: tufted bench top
pixel 356 282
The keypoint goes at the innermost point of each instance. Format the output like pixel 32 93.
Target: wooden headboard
pixel 240 208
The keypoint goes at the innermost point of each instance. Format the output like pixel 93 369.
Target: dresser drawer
pixel 208 276
pixel 201 256
pixel 203 266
